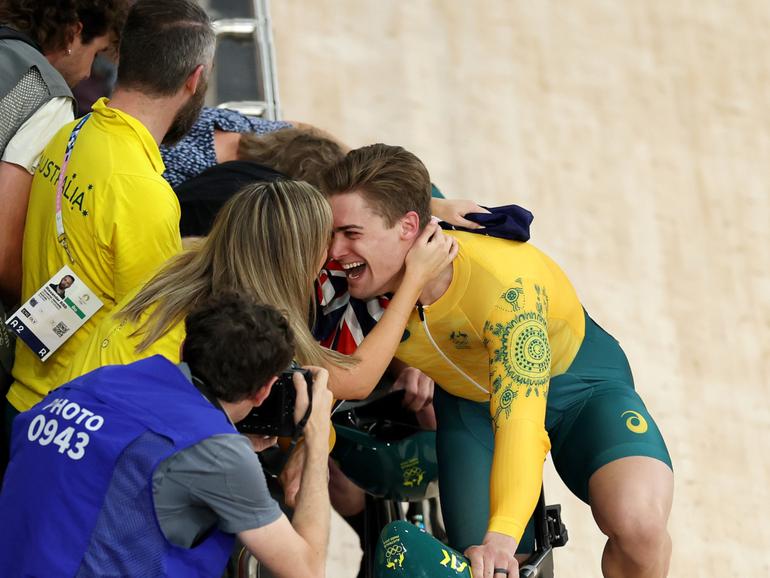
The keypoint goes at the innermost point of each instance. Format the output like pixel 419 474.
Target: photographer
pixel 138 470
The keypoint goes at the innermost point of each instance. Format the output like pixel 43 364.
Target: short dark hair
pixel 235 345
pixel 163 41
pixel 391 179
pixel 51 23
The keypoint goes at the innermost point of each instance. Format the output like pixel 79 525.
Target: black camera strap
pixel 203 387
pixel 300 427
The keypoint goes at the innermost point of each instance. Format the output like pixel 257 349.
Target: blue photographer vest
pixel 77 498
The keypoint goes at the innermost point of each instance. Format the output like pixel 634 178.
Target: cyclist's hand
pixel 418 388
pixel 496 553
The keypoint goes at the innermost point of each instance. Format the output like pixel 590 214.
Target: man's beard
pixel 187 115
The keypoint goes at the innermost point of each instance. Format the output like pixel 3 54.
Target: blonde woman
pixel 269 240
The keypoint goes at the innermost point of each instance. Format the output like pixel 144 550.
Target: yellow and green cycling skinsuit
pixel 521 366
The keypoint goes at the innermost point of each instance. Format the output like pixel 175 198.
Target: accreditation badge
pixel 54 313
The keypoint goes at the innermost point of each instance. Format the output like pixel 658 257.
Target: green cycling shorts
pixel 593 417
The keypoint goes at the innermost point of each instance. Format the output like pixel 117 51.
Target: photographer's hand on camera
pixel 300 549
pixel 316 432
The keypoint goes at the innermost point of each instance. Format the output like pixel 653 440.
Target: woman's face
pixel 76 66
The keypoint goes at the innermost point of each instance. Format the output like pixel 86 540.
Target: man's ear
pixel 263 391
pixel 409 226
pixel 191 84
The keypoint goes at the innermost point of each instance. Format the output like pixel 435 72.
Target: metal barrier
pixel 244 76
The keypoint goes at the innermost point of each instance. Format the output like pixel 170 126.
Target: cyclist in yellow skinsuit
pixel 498 337
pixel 521 368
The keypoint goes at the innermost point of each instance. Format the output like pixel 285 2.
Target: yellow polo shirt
pixel 113 342
pixel 122 221
pixel 509 321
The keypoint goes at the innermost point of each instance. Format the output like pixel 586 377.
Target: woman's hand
pixel 431 253
pixel 453 211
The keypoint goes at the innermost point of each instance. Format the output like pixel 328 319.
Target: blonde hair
pixel 267 241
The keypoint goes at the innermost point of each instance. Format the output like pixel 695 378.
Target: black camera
pixel 275 416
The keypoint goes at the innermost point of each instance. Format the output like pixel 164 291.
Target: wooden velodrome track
pixel 639 135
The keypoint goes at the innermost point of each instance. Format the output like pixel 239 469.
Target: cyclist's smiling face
pixel 371 253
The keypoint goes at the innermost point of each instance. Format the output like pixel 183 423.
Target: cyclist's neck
pixel 437 287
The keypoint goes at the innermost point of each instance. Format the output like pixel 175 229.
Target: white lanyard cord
pixel 421 312
pixel 61 236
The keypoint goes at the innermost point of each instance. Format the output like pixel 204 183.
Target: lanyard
pixel 421 313
pixel 61 236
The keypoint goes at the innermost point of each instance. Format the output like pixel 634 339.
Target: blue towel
pixel 507 222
